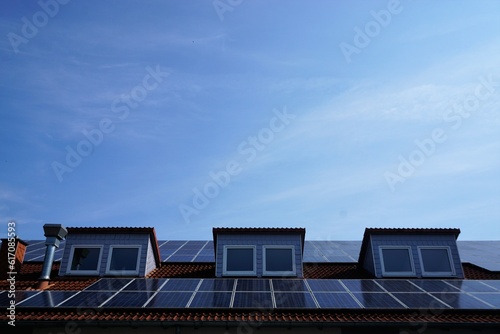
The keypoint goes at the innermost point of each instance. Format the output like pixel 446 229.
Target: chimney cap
pixel 55 230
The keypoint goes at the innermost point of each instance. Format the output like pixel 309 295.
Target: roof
pixel 259 230
pixel 121 230
pixel 402 231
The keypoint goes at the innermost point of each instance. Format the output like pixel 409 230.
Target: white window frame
pixel 411 273
pixel 83 272
pixel 123 272
pixel 278 273
pixel 437 273
pixel 225 272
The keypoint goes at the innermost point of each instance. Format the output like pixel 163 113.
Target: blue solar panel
pixel 289 285
pixel 179 284
pixel 398 286
pixel 170 300
pixel 88 299
pixel 493 283
pixel 419 300
pixel 491 298
pixel 129 299
pixel 146 284
pixel 5 298
pixel 47 299
pixel 377 300
pixel 181 258
pixel 325 285
pixel 294 300
pixel 471 286
pixel 434 286
pixel 209 258
pixel 211 300
pixel 253 285
pixel 217 285
pixel 461 301
pixel 108 284
pixel 260 300
pixel 335 300
pixel 360 285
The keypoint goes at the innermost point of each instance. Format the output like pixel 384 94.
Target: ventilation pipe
pixel 54 234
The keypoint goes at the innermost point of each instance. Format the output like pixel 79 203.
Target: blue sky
pixel 328 115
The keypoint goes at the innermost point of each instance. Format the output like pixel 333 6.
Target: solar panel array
pixel 481 253
pixel 270 294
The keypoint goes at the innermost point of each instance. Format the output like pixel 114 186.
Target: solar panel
pixel 325 285
pixel 209 258
pixel 335 300
pixel 146 284
pixel 377 300
pixel 179 284
pixel 181 258
pixel 289 285
pixel 253 285
pixel 211 300
pixel 398 286
pixel 360 285
pixel 491 298
pixel 471 286
pixel 294 300
pixel 461 301
pixel 419 300
pixel 109 284
pixel 434 286
pixel 5 298
pixel 88 299
pixel 217 285
pixel 129 299
pixel 170 300
pixel 47 299
pixel 260 300
pixel 493 283
pixel 481 253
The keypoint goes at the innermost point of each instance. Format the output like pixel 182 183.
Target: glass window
pixel 279 260
pixel 436 261
pixel 85 259
pixel 239 260
pixel 124 260
pixel 396 261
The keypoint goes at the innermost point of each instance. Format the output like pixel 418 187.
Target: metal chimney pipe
pixel 54 234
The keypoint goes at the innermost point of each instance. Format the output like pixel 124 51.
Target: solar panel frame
pixel 181 284
pixel 336 300
pixel 259 300
pixel 461 300
pixel 47 299
pixel 204 299
pixel 170 299
pixel 146 284
pixel 129 299
pixel 378 300
pixel 214 284
pixel 89 299
pixel 289 285
pixel 294 300
pixel 253 285
pixel 325 285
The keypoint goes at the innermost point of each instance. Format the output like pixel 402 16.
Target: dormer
pixel 111 251
pixel 411 252
pixel 258 252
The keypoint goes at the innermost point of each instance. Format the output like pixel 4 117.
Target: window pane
pixel 239 259
pixel 279 259
pixel 124 259
pixel 435 260
pixel 85 258
pixel 396 260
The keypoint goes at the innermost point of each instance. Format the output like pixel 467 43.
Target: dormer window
pixel 259 252
pixel 279 261
pixel 397 261
pixel 123 260
pixel 239 261
pixel 85 260
pixel 436 261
